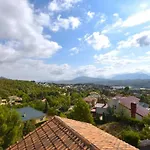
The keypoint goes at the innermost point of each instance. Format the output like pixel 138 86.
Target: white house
pixel 130 104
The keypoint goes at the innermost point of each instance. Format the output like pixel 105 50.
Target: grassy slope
pixel 114 128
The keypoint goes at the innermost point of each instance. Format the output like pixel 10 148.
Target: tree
pixel 28 127
pixel 75 97
pixel 145 133
pixel 10 126
pixel 146 119
pixel 131 137
pixel 126 90
pixel 81 112
pixel 46 107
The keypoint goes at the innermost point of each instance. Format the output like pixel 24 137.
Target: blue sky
pixel 64 39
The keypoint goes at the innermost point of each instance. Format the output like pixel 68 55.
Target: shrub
pixel 145 133
pixel 130 121
pixel 28 127
pixel 131 137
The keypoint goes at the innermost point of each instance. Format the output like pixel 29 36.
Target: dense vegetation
pixel 32 93
pixel 10 126
pixel 57 101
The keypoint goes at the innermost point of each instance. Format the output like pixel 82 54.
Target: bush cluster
pixel 131 137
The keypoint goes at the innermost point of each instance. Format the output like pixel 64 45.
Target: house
pixel 3 102
pixel 15 100
pixel 43 100
pixel 94 94
pixel 130 104
pixel 90 100
pixel 66 134
pixel 29 113
pixel 99 108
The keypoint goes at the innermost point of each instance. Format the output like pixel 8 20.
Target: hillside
pixel 114 128
pixel 26 89
pixel 137 83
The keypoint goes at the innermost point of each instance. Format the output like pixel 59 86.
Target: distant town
pixel 122 111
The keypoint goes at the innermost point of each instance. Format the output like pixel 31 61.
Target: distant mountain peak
pixel 131 76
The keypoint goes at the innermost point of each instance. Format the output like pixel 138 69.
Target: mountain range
pixel 131 76
pixel 132 79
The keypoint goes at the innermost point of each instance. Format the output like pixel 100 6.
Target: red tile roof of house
pixel 126 101
pixel 90 99
pixel 66 134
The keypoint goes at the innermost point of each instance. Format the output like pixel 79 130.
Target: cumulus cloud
pixel 128 64
pixel 22 33
pixel 90 14
pixel 112 58
pixel 65 23
pixel 29 69
pixel 43 19
pixel 74 51
pixel 138 40
pixel 61 5
pixel 97 41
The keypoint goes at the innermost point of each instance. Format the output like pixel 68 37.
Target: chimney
pixel 133 109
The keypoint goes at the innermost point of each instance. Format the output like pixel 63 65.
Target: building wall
pixel 139 117
pixel 119 107
pixel 101 110
pixel 113 102
pixel 128 112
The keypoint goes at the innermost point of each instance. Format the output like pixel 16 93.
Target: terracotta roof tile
pixel 66 134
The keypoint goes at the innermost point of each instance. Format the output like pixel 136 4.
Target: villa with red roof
pixel 130 104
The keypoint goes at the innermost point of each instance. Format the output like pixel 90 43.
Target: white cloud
pixel 137 19
pixel 22 33
pixel 115 27
pixel 61 5
pixel 116 15
pixel 90 14
pixel 74 51
pixel 43 19
pixel 29 69
pixel 131 21
pixel 147 27
pixel 65 23
pixel 112 59
pixel 148 53
pixel 138 40
pixel 90 71
pixel 97 41
pixel 127 33
pixel 102 19
pixel 118 64
pixel 144 5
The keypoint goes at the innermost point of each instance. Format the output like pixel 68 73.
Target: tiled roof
pixel 126 101
pixel 90 99
pixel 66 134
pixel 100 105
